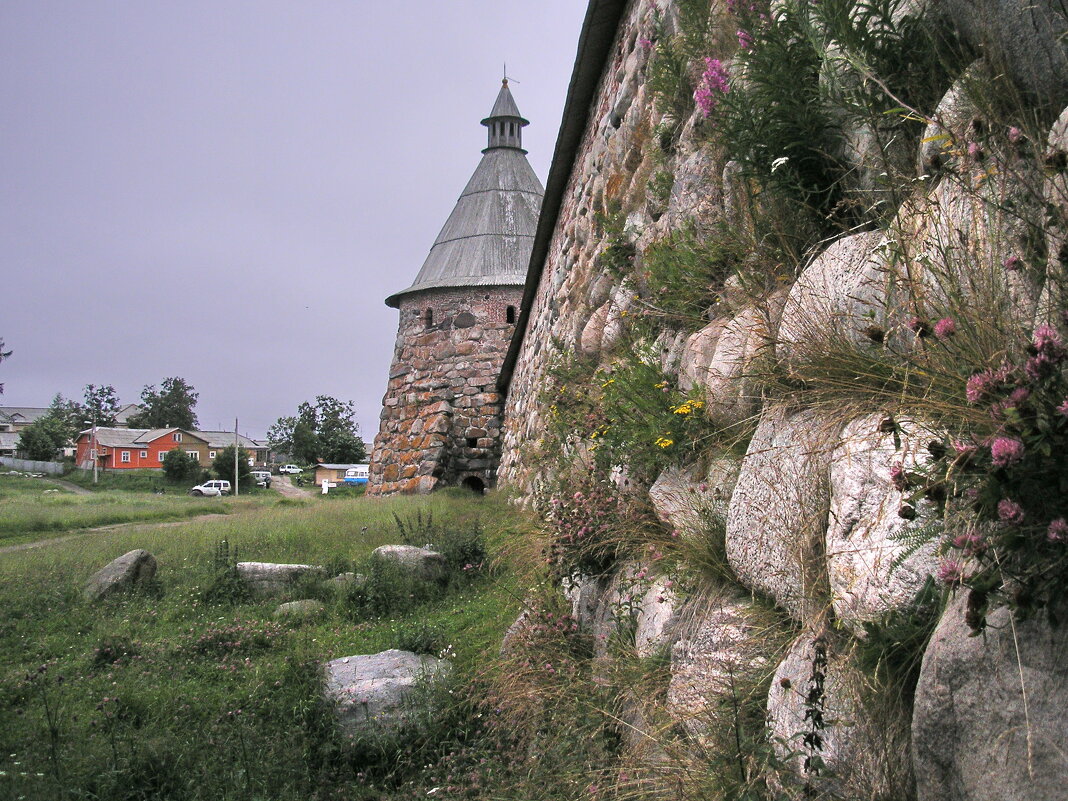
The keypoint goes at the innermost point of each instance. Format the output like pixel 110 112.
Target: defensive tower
pixel 441 417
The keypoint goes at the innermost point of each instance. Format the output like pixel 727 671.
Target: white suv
pixel 289 468
pixel 216 487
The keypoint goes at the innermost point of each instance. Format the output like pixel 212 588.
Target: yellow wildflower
pixel 664 442
pixel 606 383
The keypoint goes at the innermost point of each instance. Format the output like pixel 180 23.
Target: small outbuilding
pixel 341 473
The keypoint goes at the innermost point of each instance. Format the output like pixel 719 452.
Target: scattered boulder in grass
pixel 421 563
pixel 378 694
pixel 135 569
pixel 307 607
pixel 268 578
pixel 343 580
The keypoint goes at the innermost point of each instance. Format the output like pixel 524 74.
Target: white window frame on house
pixel 144 454
pixel 211 454
pixel 177 436
pixel 194 454
pixel 162 455
pixel 124 457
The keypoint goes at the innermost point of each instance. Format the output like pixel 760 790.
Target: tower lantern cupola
pixel 505 123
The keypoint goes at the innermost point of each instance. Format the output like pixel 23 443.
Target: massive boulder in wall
pixel 837 298
pixel 826 738
pixel 869 521
pixel 988 723
pixel 778 512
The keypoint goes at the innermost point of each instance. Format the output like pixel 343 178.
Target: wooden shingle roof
pixel 486 241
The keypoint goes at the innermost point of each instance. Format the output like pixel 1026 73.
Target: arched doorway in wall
pixel 475 484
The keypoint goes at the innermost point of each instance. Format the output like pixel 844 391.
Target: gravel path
pixel 284 485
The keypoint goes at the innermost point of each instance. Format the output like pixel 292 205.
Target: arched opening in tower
pixel 475 484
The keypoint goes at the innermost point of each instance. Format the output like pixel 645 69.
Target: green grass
pixel 168 695
pixel 30 508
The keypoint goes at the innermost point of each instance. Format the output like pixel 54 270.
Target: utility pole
pixel 237 453
pixel 92 447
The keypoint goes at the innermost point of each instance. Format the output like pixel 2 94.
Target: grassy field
pixel 195 692
pixel 32 508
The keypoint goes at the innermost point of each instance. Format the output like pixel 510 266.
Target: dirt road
pixel 285 487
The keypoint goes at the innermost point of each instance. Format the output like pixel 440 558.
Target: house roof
pixel 223 439
pixel 486 240
pixel 123 414
pixel 594 49
pixel 134 437
pixel 22 414
pixel 117 437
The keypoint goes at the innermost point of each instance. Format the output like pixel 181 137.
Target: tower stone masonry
pixel 441 417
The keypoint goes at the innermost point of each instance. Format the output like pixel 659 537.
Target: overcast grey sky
pixel 227 190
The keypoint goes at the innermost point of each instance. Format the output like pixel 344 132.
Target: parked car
pixel 262 478
pixel 289 468
pixel 211 488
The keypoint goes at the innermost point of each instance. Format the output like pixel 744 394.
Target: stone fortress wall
pixel 813 508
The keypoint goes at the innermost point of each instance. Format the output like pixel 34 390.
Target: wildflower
pixel 1005 451
pixel 898 477
pixel 1015 134
pixel 975 150
pixel 950 572
pixel 664 442
pixel 981 385
pixel 745 41
pixel 712 85
pixel 1048 342
pixel 1063 408
pixel 1058 530
pixel 920 326
pixel 606 383
pixel 970 542
pixel 645 43
pixel 1010 512
pixel 1012 263
pixel 945 328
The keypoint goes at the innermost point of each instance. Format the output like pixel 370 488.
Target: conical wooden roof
pixel 488 237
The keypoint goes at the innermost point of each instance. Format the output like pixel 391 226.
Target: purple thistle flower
pixel 950 571
pixel 898 477
pixel 945 328
pixel 1015 134
pixel 1012 263
pixel 1038 366
pixel 1058 530
pixel 1063 408
pixel 1019 395
pixel 920 326
pixel 1010 512
pixel 1048 342
pixel 970 542
pixel 1005 451
pixel 645 43
pixel 977 387
pixel 975 150
pixel 745 40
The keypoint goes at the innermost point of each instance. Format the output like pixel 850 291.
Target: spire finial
pixel 504 78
